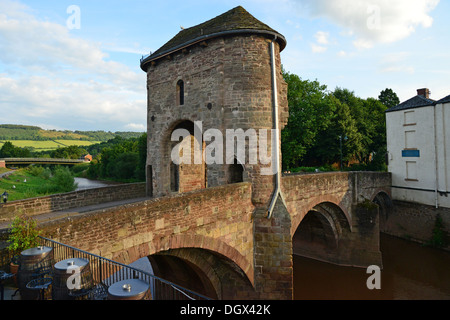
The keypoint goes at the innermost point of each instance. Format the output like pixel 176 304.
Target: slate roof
pixel 444 100
pixel 415 102
pixel 234 21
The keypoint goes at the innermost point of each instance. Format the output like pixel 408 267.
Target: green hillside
pixel 12 132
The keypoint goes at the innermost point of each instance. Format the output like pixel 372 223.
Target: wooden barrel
pixel 32 261
pixel 132 289
pixel 70 274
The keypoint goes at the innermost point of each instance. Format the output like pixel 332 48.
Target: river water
pixel 410 272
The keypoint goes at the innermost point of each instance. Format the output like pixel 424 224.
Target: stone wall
pixel 228 85
pixel 76 199
pixel 416 222
pixel 218 220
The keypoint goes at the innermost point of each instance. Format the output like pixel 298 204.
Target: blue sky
pixel 77 68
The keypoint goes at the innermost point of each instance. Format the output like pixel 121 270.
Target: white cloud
pixel 322 37
pixel 318 49
pixel 71 77
pixel 374 21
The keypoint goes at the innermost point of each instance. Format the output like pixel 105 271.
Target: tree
pixel 8 150
pixel 310 112
pixel 389 98
pixel 327 149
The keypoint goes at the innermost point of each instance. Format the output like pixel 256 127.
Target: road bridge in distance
pixel 10 162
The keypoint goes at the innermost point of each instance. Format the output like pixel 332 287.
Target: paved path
pixel 51 216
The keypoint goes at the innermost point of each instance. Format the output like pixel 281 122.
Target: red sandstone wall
pixel 70 200
pixel 217 219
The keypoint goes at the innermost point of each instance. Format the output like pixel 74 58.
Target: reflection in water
pixel 410 272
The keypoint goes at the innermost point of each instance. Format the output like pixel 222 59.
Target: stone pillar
pixel 273 254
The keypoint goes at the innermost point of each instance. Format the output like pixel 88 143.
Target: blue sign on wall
pixel 411 153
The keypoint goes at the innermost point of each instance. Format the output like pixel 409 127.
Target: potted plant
pixel 23 235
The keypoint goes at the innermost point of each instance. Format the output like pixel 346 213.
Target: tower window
pixel 180 93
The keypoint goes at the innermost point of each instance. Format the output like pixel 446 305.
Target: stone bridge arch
pixel 384 201
pixel 220 270
pixel 321 231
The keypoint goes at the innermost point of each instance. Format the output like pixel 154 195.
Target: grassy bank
pixel 36 182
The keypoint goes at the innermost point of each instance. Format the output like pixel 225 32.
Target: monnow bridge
pixel 224 228
pixel 215 241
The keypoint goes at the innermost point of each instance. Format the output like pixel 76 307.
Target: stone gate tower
pixel 223 74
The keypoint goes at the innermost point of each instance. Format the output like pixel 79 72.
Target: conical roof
pixel 234 21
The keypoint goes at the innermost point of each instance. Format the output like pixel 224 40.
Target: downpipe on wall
pixel 277 192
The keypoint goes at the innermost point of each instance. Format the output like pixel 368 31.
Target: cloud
pixel 48 75
pixel 374 21
pixel 322 37
pixel 318 49
pixel 396 62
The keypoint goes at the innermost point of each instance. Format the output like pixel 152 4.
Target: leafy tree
pixel 327 149
pixel 310 112
pixel 70 152
pixel 8 150
pixel 120 159
pixel 389 98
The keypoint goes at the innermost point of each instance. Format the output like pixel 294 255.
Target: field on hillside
pixel 50 144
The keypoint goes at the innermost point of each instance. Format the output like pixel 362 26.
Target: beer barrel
pixel 71 274
pixel 132 289
pixel 30 263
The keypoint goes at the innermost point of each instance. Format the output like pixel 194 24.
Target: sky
pixel 75 65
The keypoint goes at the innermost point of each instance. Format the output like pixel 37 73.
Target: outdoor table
pixel 76 269
pixel 3 277
pixel 31 262
pixel 40 284
pixel 131 289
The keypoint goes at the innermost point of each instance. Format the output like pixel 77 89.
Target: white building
pixel 418 142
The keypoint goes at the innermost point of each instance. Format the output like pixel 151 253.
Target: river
pixel 410 272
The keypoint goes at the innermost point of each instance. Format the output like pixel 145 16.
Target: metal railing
pixel 106 272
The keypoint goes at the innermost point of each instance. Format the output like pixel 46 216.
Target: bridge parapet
pixel 28 161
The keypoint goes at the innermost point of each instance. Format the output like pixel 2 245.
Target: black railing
pixel 106 272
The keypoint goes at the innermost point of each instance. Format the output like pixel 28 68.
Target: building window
pixel 410 140
pixel 410 118
pixel 180 92
pixel 411 171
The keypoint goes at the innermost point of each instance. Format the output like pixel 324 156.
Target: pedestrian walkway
pixel 51 216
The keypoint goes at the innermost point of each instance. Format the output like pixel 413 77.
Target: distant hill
pixel 22 132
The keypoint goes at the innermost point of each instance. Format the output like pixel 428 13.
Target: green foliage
pixel 70 152
pixel 310 112
pixel 23 234
pixel 22 132
pixel 389 98
pixel 63 180
pixel 120 159
pixel 8 150
pixel 325 126
pixel 438 238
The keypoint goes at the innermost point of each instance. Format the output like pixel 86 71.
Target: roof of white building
pixel 444 100
pixel 415 102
